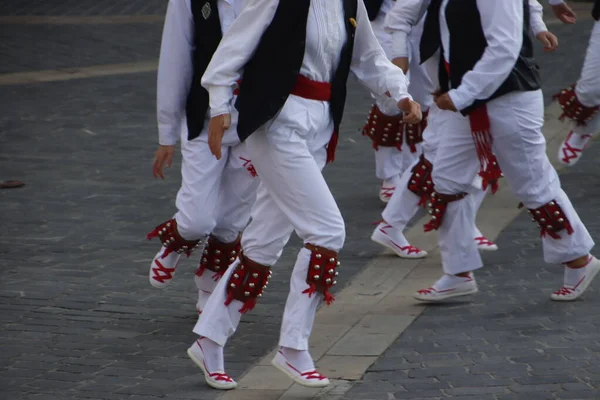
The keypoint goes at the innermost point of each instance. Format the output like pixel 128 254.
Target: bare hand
pixel 444 102
pixel 412 111
pixel 163 155
pixel 549 40
pixel 564 13
pixel 216 129
pixel 402 63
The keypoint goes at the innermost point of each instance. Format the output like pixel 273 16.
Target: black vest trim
pixel 207 35
pixel 467 45
pixel 373 7
pixel 596 10
pixel 268 80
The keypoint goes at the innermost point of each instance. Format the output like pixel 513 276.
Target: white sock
pixel 300 359
pixel 213 355
pixel 450 281
pixel 393 181
pixel 574 275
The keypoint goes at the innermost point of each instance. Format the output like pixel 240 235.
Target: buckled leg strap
pixel 172 240
pixel 384 130
pixel 217 256
pixel 551 219
pixel 322 271
pixel 247 283
pixel 420 182
pixel 437 208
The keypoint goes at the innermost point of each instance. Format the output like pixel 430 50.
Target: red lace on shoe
pixel 427 291
pixel 313 375
pixel 563 291
pixel 162 273
pixel 483 241
pixel 387 192
pixel 220 377
pixel 570 152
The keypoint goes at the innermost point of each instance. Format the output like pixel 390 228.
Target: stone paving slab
pixel 79 319
pixel 509 341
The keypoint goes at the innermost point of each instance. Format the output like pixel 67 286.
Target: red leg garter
pixel 550 219
pixel 321 271
pixel 437 208
pixel 420 182
pixel 172 240
pixel 414 132
pixel 247 283
pixel 572 107
pixel 384 130
pixel 217 256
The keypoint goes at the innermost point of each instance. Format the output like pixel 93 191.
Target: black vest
pixel 271 73
pixel 596 10
pixel 207 35
pixel 373 7
pixel 467 44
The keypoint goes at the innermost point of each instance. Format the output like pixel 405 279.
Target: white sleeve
pixel 502 23
pixel 175 70
pixel 235 49
pixel 370 64
pixel 400 20
pixel 536 19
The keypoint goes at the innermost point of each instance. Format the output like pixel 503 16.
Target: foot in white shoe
pixel 217 379
pixel 483 244
pixel 577 281
pixel 306 377
pixel 571 149
pixel 387 236
pixel 162 270
pixel 388 186
pixel 448 286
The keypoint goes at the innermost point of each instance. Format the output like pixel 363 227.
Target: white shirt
pixel 325 36
pixel 405 14
pixel 175 68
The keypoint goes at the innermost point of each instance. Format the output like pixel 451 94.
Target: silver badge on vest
pixel 206 10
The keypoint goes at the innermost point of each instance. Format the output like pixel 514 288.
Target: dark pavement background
pixel 78 318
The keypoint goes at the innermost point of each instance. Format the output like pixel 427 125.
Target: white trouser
pixel 403 204
pixel 289 153
pixel 588 85
pixel 390 162
pixel 215 195
pixel 516 125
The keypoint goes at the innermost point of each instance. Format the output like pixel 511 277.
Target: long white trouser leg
pixel 588 85
pixel 516 123
pixel 389 161
pixel 404 204
pixel 288 154
pixel 237 194
pixel 478 197
pixel 198 198
pixel 520 147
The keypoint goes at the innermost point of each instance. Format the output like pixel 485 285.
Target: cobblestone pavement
pixel 510 341
pixel 79 319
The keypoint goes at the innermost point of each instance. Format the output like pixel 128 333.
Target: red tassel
pixel 328 297
pixel 152 234
pixel 248 305
pixel 229 299
pixel 200 271
pixel 311 290
pixel 333 142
